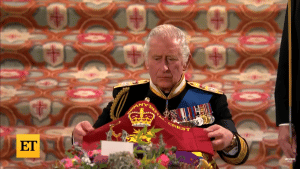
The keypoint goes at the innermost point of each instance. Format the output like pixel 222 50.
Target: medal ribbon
pixel 193 113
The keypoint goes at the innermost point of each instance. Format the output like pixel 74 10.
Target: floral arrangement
pixel 145 156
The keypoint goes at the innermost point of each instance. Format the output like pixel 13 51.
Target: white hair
pixel 169 31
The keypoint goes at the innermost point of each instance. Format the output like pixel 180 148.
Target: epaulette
pixel 206 88
pixel 137 82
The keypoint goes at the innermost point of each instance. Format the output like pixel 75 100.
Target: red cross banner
pixel 57 16
pixel 215 56
pixel 53 53
pixel 133 54
pixel 136 17
pixel 40 108
pixel 217 19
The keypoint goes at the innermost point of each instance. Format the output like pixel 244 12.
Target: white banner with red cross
pixel 40 108
pixel 215 56
pixel 217 19
pixel 53 53
pixel 136 17
pixel 133 54
pixel 57 16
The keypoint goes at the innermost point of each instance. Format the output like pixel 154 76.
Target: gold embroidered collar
pixel 177 89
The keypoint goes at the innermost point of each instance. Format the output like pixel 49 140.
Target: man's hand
pixel 80 130
pixel 222 136
pixel 284 142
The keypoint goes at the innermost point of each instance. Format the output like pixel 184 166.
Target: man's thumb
pixel 87 126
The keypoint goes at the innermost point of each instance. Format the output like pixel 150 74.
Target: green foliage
pixel 96 166
pixel 125 160
pixel 57 165
pixel 69 154
pixel 151 152
pixel 149 134
pixel 122 160
pixel 150 163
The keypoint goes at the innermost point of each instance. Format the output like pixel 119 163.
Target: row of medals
pixel 198 121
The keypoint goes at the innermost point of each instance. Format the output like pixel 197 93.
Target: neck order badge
pixel 28 145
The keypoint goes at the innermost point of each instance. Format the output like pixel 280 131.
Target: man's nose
pixel 165 65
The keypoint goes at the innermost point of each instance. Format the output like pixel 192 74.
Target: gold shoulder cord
pixel 120 98
pixel 290 72
pixel 206 88
pixel 290 67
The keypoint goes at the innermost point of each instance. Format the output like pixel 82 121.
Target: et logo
pixel 28 145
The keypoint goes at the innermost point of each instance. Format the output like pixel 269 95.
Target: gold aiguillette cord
pixel 290 72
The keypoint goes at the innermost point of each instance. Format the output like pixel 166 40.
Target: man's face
pixel 165 63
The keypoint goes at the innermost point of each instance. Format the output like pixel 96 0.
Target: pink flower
pixel 138 162
pixel 76 158
pixel 90 153
pixel 96 152
pixel 164 160
pixel 68 163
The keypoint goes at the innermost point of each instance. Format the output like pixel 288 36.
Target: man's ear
pixel 146 63
pixel 185 66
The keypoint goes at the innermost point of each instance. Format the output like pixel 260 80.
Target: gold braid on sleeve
pixel 242 155
pixel 118 103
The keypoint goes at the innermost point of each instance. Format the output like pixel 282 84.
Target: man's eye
pixel 172 59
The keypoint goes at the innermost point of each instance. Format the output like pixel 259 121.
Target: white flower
pixel 86 160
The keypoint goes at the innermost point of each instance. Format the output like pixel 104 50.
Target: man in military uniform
pixel 166 57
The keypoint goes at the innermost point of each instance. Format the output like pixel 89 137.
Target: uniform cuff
pixel 284 124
